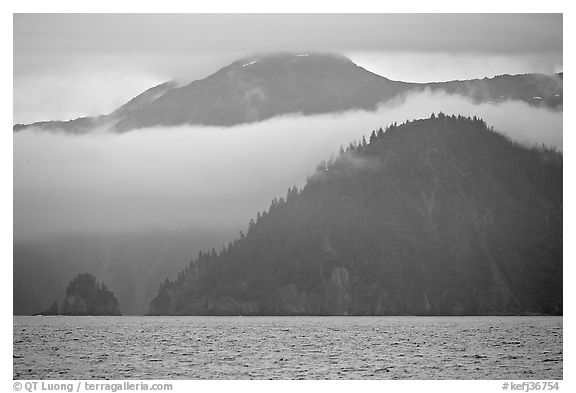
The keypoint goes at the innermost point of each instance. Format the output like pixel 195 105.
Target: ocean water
pixel 288 348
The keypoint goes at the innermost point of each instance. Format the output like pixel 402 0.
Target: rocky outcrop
pixel 85 296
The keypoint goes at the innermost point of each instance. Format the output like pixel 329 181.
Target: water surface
pixel 288 348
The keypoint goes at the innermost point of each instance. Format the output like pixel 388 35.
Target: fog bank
pixel 210 177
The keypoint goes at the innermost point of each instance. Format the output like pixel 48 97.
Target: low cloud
pixel 423 67
pixel 209 177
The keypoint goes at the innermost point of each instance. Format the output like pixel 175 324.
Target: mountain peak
pixel 263 86
pixel 292 57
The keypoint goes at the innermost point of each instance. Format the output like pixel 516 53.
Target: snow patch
pixel 247 64
pixel 537 98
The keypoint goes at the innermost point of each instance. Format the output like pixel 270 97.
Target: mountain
pixel 441 216
pixel 265 86
pixel 534 89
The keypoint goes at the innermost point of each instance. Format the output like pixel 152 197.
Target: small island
pixel 85 296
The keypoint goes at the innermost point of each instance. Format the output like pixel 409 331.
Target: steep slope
pixel 265 86
pixel 435 217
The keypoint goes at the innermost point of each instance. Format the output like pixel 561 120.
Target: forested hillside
pixel 442 216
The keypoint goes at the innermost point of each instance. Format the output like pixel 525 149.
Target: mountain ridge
pixel 264 86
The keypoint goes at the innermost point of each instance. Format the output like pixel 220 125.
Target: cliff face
pixel 435 217
pixel 84 296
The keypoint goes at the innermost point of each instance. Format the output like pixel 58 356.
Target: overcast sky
pixel 71 65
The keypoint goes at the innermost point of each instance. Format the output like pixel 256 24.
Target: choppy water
pixel 288 347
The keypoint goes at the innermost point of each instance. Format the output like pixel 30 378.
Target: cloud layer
pixel 205 176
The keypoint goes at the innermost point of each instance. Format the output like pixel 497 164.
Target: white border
pixel 259 6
